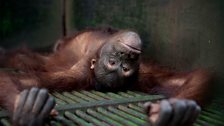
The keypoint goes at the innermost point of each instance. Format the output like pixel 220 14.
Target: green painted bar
pixel 69 97
pixel 90 118
pixel 214 111
pixel 214 116
pixel 58 101
pixel 83 96
pixel 210 120
pixel 72 107
pixel 5 122
pixel 140 104
pixel 137 108
pixel 103 118
pixel 115 117
pixel 53 123
pixel 114 96
pixel 203 123
pixel 132 112
pixel 66 99
pixel 4 114
pixel 125 95
pixel 73 97
pixel 196 125
pixel 92 95
pixel 76 119
pixel 101 94
pixel 215 106
pixel 117 109
pixel 61 119
pixel 128 116
pixel 133 93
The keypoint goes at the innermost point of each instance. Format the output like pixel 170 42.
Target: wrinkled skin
pixel 116 68
pixel 33 107
pixel 172 112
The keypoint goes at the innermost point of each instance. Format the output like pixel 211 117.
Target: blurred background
pixel 181 34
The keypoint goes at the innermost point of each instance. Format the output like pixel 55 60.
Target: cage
pixel 180 34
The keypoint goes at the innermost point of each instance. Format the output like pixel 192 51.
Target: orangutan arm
pixel 184 90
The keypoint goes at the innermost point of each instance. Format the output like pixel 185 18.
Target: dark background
pixel 182 34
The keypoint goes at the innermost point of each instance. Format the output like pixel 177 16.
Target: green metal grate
pixel 90 108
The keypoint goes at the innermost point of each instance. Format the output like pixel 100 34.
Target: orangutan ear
pixel 92 66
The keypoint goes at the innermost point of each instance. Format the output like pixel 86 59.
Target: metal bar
pixel 114 96
pixel 115 117
pixel 101 94
pixel 210 120
pixel 92 95
pixel 118 109
pixel 214 116
pixel 76 119
pixel 59 101
pixel 83 96
pixel 196 124
pixel 140 104
pixel 5 122
pixel 4 114
pixel 53 123
pixel 103 118
pixel 214 111
pixel 136 108
pixel 125 95
pixel 128 116
pixel 72 107
pixel 134 93
pixel 73 97
pixel 64 98
pixel 90 118
pixel 202 123
pixel 63 121
pixel 133 112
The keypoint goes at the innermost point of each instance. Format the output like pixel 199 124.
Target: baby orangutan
pixel 99 59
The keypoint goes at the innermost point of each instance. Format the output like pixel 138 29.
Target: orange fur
pixel 68 68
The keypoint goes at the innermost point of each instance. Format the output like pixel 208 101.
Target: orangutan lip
pixel 131 48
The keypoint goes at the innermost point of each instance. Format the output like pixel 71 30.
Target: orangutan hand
pixel 173 112
pixel 32 107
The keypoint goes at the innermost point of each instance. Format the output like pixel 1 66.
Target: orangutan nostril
pixel 112 62
pixel 125 69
